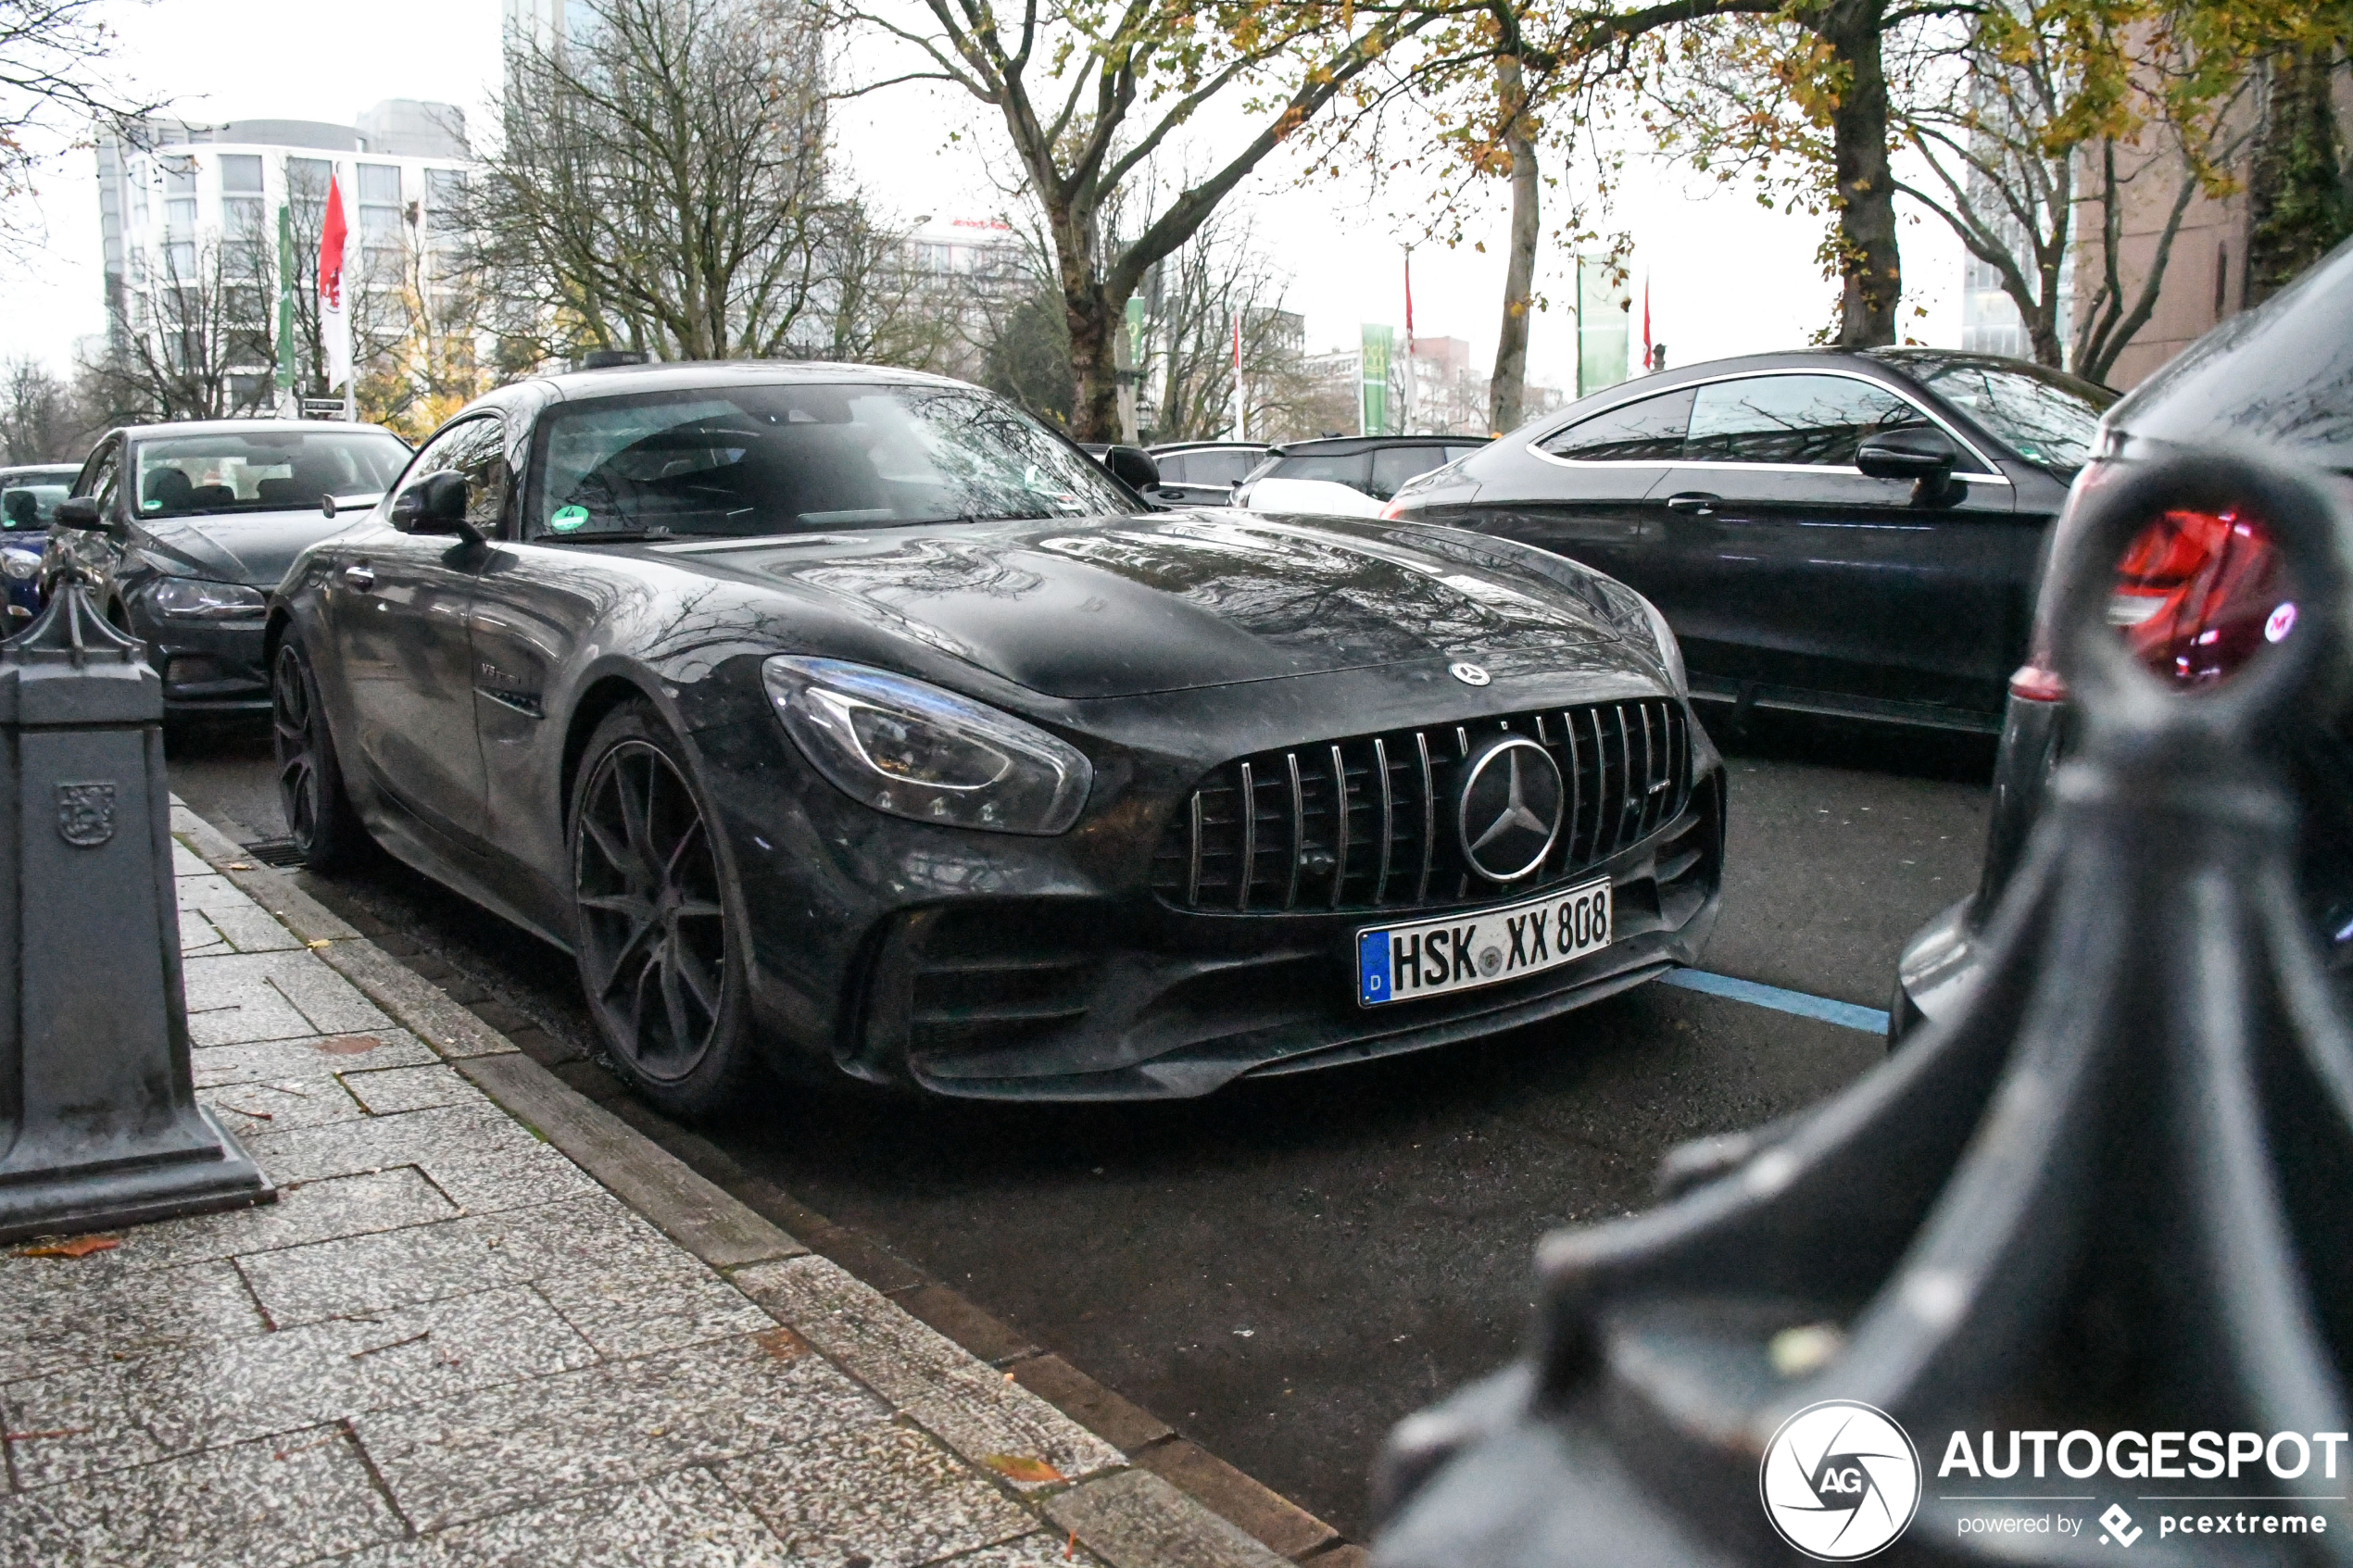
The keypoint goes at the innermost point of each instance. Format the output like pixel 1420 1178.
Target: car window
pixel 30 505
pixel 775 460
pixel 1649 430
pixel 1352 468
pixel 1815 420
pixel 2052 425
pixel 106 476
pixel 268 468
pixel 1456 454
pixel 1207 467
pixel 1392 466
pixel 477 448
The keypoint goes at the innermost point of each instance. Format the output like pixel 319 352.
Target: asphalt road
pixel 1284 1269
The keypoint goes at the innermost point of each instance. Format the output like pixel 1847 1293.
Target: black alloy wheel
pixel 320 819
pixel 653 920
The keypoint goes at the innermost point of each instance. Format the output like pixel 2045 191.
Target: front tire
pixel 320 819
pixel 659 922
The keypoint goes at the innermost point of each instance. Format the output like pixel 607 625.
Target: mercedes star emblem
pixel 1468 674
pixel 1510 808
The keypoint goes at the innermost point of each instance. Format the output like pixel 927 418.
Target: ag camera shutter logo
pixel 1840 1480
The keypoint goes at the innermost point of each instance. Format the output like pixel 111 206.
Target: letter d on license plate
pixel 1397 963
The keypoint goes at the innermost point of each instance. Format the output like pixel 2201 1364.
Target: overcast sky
pixel 1725 276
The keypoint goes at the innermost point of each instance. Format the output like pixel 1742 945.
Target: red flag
pixel 330 237
pixel 1646 320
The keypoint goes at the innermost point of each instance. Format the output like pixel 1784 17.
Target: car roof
pixel 1343 446
pixel 1167 446
pixel 691 374
pixel 69 470
pixel 2281 374
pixel 242 427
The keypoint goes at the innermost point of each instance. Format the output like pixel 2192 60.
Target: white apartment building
pixel 190 208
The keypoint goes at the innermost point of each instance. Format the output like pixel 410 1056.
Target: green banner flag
pixel 1372 415
pixel 285 299
pixel 1602 306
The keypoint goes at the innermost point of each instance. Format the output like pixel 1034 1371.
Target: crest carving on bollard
pixel 85 814
pixel 2112 1193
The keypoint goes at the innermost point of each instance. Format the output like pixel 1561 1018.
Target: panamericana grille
pixel 1367 822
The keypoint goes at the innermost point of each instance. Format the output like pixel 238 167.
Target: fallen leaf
pixel 782 1343
pixel 1022 1468
pixel 348 1045
pixel 321 942
pixel 80 1246
pixel 238 866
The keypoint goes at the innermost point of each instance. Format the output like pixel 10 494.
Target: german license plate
pixel 1431 958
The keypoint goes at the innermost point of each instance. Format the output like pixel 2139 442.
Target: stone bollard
pixel 99 1123
pixel 2104 1203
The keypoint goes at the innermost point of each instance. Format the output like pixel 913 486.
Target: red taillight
pixel 2036 683
pixel 2197 594
pixel 1394 511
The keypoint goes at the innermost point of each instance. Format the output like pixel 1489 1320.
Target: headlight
pixel 1670 650
pixel 22 565
pixel 192 598
pixel 914 750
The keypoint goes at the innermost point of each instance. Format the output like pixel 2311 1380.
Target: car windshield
pixel 265 471
pixel 747 460
pixel 2051 421
pixel 31 503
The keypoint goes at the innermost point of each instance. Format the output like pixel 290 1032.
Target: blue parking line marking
pixel 1846 1015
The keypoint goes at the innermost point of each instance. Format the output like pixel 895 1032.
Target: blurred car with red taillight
pixel 2198 594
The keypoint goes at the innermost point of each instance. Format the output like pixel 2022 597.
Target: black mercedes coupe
pixel 849 720
pixel 1849 534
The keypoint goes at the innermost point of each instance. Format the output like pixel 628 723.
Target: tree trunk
pixel 1507 392
pixel 2296 195
pixel 1869 261
pixel 1094 372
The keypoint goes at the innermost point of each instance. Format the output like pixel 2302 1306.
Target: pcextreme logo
pixel 1840 1480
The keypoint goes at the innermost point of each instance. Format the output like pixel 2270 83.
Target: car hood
pixel 1176 600
pixel 254 548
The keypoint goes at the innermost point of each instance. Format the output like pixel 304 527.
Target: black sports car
pixel 1826 531
pixel 851 720
pixel 2195 597
pixel 188 526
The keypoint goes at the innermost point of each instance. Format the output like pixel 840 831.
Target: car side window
pixel 1217 468
pixel 105 476
pixel 1392 466
pixel 1352 469
pixel 477 448
pixel 1649 430
pixel 1809 420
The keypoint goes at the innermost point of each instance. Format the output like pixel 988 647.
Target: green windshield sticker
pixel 569 518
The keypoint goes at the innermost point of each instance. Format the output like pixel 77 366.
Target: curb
pixel 1177 1505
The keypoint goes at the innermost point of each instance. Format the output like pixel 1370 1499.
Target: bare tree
pixel 191 338
pixel 1089 94
pixel 662 185
pixel 1217 283
pixel 40 422
pixel 53 57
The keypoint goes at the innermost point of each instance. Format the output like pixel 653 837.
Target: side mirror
pixel 1915 452
pixel 435 504
pixel 1133 466
pixel 78 512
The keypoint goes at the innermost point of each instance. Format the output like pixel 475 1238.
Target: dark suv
pixel 2195 596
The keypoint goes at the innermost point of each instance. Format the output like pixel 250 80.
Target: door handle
pixel 360 577
pixel 1698 502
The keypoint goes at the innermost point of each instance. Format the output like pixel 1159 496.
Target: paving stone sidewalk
pixel 448 1343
